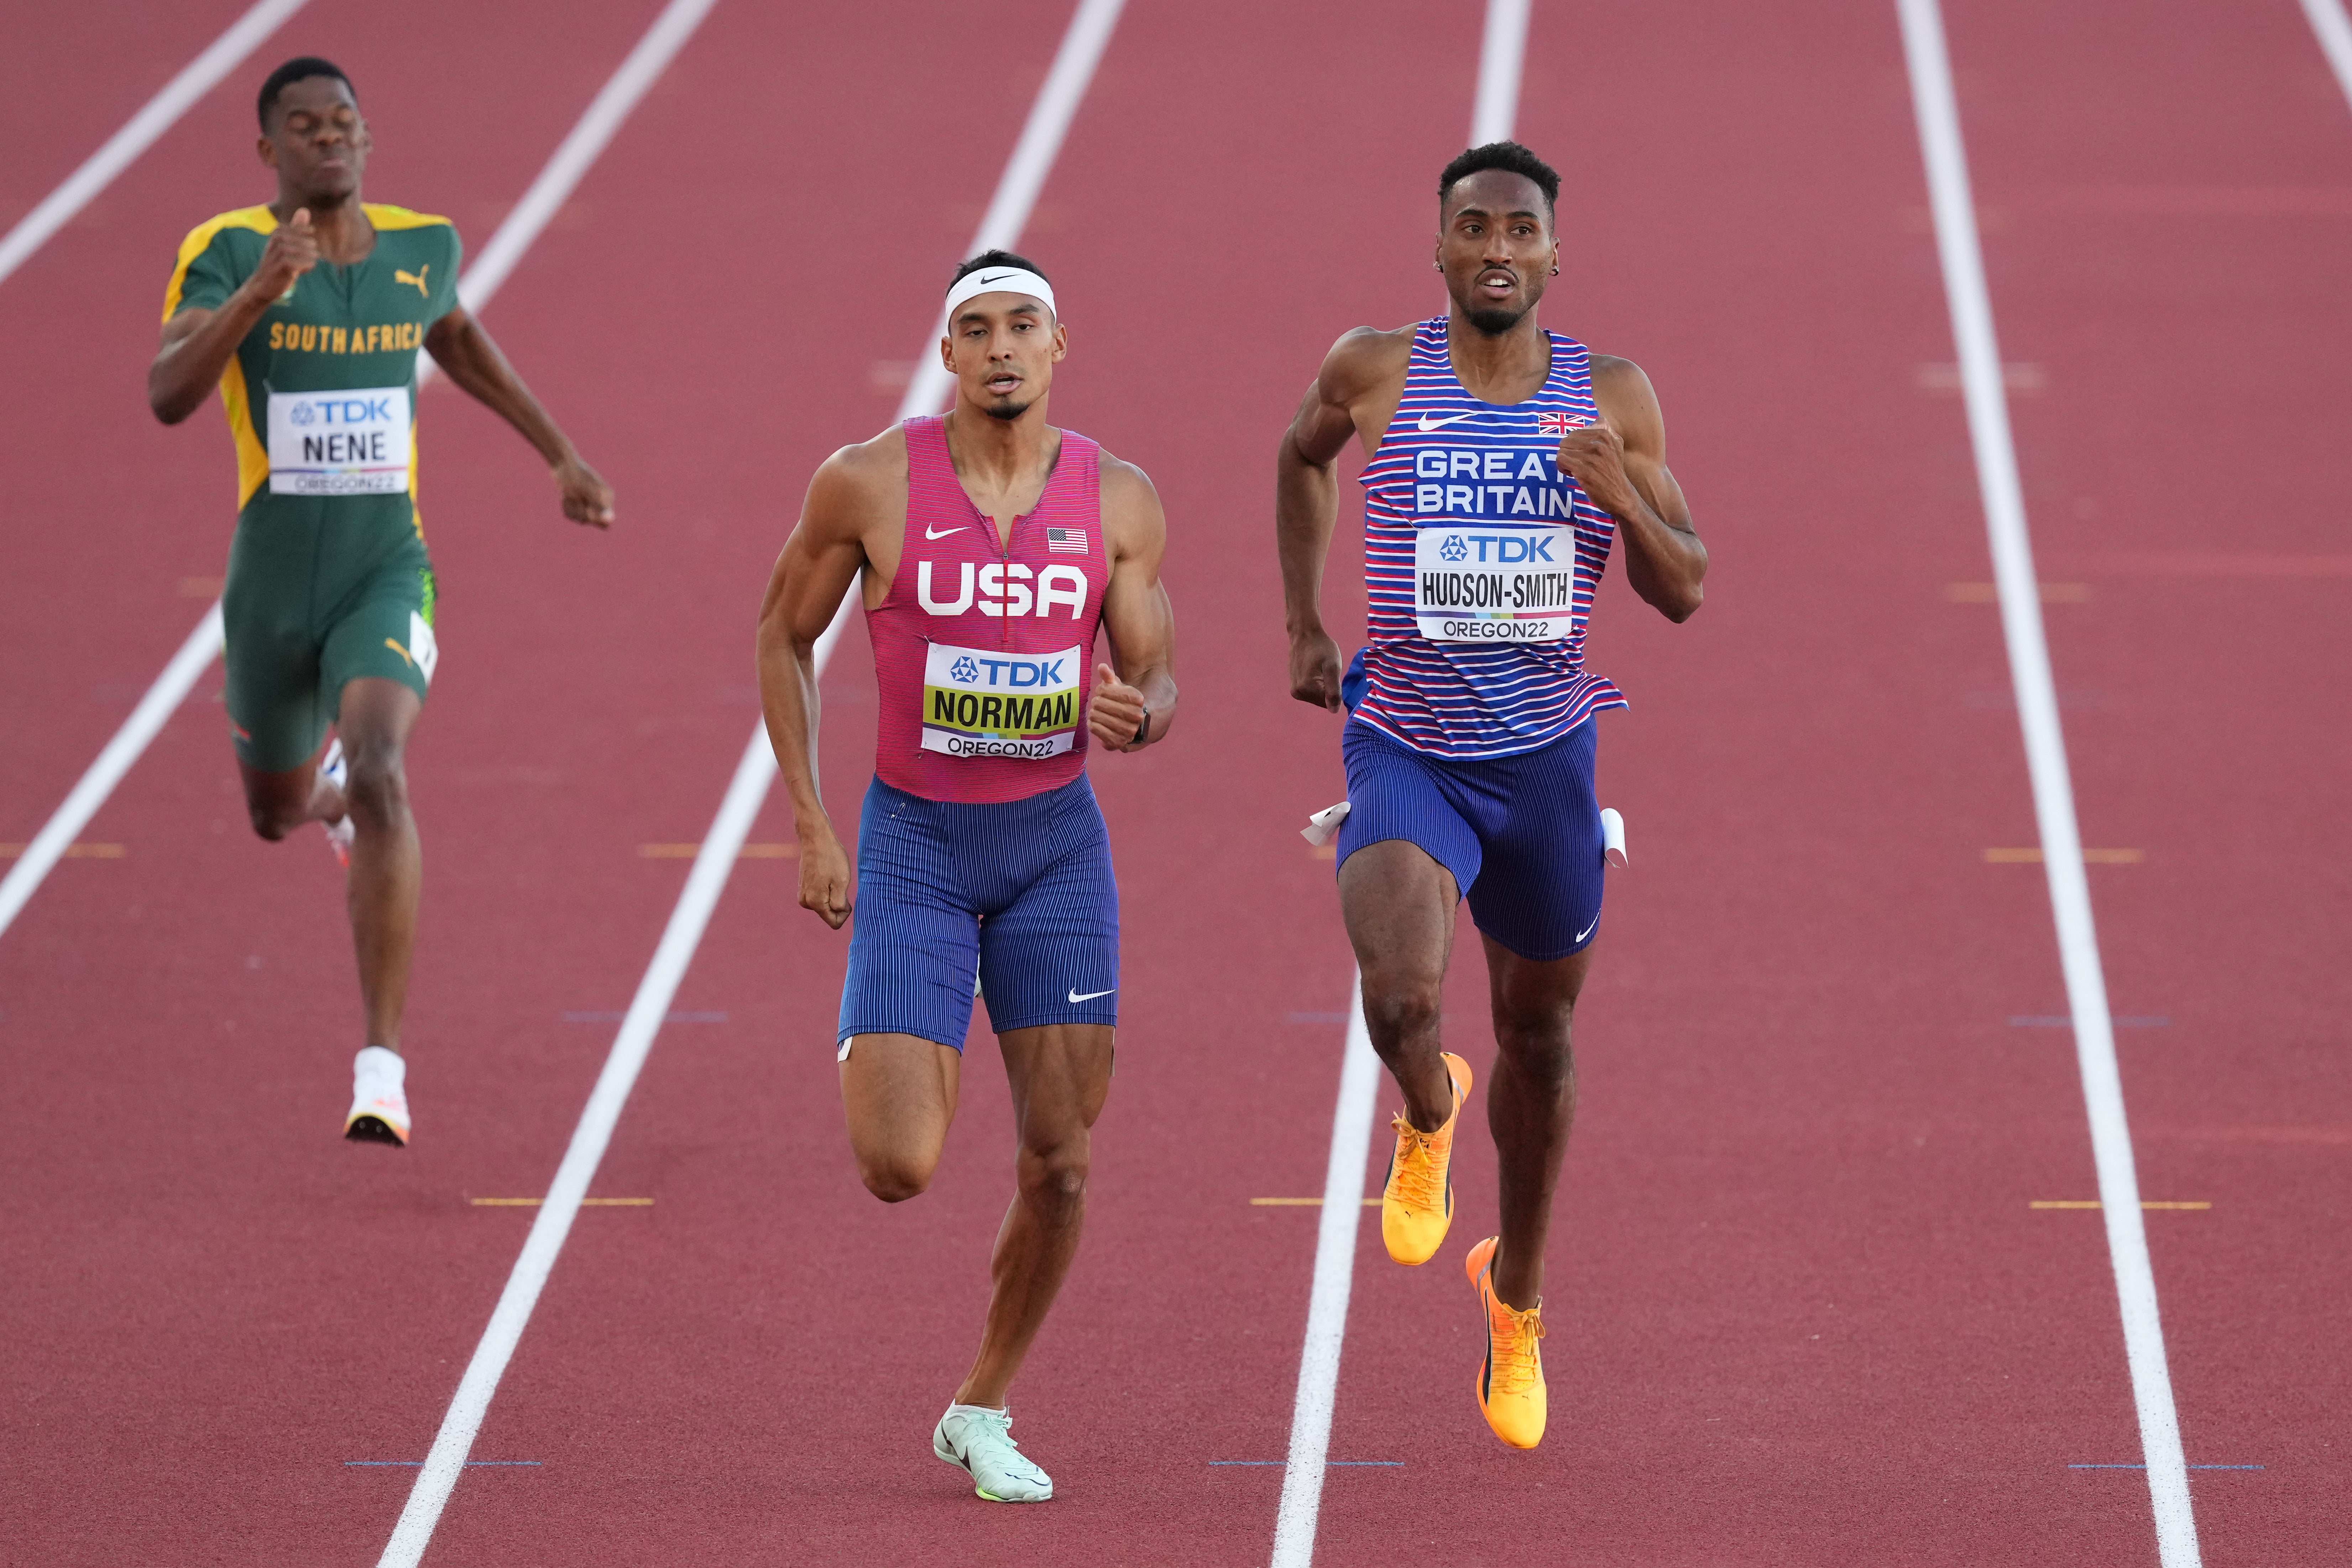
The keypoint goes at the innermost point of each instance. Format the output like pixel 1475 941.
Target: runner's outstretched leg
pixel 1060 1075
pixel 1531 1105
pixel 387 866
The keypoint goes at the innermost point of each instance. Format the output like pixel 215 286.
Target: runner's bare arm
pixel 459 346
pixel 812 576
pixel 197 343
pixel 1355 374
pixel 1622 464
pixel 1135 614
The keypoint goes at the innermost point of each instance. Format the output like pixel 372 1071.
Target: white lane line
pixel 2335 30
pixel 1494 117
pixel 1501 60
pixel 562 174
pixel 578 151
pixel 162 110
pixel 552 1224
pixel 196 656
pixel 1016 194
pixel 2054 791
pixel 1326 1306
pixel 1024 177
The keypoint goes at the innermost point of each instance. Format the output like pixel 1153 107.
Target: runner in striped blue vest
pixel 1505 461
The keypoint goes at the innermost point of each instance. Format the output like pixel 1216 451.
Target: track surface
pixel 1801 1308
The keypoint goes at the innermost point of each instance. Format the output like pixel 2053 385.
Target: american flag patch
pixel 1553 425
pixel 1069 541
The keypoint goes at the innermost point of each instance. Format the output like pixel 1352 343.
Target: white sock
pixel 379 1067
pixel 978 1409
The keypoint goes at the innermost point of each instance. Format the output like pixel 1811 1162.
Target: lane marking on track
pixel 2144 1466
pixel 1963 257
pixel 2335 32
pixel 1989 593
pixel 673 1017
pixel 1329 1464
pixel 197 77
pixel 748 852
pixel 2094 1202
pixel 1327 1302
pixel 2060 1021
pixel 470 1464
pixel 2030 855
pixel 1494 117
pixel 584 1203
pixel 1502 60
pixel 476 286
pixel 1008 212
pixel 50 845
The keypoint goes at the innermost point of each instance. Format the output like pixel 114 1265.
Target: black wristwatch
pixel 1142 734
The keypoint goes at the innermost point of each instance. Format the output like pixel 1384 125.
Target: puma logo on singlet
pixel 417 278
pixel 1427 423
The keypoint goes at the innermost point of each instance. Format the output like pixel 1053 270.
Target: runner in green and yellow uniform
pixel 309 312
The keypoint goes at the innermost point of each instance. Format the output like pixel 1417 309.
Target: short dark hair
pixel 293 70
pixel 1508 156
pixel 996 259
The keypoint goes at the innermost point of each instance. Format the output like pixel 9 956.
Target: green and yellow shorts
pixel 322 591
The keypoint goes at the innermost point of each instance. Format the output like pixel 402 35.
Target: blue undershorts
pixel 1521 834
pixel 1016 896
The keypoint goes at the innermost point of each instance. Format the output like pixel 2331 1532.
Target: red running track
pixel 1801 1311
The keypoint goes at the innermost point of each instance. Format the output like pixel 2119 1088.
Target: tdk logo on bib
pixel 347 443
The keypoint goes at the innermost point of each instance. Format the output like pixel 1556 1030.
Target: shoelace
pixel 1513 1339
pixel 1418 1180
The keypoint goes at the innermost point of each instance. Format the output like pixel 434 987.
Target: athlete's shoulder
pixel 1623 389
pixel 244 220
pixel 860 478
pixel 1123 484
pixel 1365 358
pixel 220 231
pixel 384 216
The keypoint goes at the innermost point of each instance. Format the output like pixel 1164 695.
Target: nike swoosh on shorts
pixel 1089 995
pixel 1427 423
pixel 1587 930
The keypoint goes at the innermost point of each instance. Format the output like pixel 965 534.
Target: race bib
pixel 1474 584
pixel 348 443
pixel 984 704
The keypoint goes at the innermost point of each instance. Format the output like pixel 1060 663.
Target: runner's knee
pixel 897 1174
pixel 377 787
pixel 1054 1180
pixel 270 820
pixel 1537 1049
pixel 1401 1009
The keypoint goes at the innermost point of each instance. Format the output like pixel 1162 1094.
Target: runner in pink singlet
pixel 991 548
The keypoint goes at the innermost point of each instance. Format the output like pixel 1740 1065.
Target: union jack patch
pixel 1554 424
pixel 1066 541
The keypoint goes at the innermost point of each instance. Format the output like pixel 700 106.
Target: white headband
pixel 1000 280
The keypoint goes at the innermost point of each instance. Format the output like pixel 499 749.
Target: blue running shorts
pixel 1521 834
pixel 1015 894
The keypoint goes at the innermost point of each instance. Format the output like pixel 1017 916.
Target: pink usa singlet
pixel 984 656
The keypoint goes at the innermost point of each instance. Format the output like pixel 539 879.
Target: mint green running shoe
pixel 978 1441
